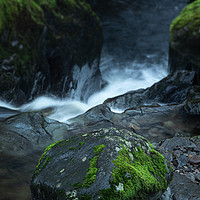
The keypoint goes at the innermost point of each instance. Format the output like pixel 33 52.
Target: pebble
pixel 194 159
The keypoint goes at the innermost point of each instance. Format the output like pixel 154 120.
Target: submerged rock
pixel 105 164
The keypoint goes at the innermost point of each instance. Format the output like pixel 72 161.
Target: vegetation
pixel 136 178
pixel 189 20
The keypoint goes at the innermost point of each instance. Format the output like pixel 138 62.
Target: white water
pixel 120 80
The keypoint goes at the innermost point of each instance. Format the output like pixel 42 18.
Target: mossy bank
pixel 106 164
pixel 42 40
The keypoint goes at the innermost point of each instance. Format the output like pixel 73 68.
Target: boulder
pixel 192 105
pixel 185 40
pixel 104 164
pixel 42 43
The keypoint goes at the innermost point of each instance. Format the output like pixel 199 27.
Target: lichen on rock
pixel 112 164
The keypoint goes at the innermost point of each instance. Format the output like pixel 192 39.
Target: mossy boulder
pixel 41 41
pixel 192 105
pixel 105 164
pixel 185 39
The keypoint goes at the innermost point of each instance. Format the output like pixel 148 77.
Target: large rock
pixel 185 39
pixel 105 164
pixel 172 89
pixel 42 41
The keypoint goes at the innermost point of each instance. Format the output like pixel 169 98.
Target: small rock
pixel 192 153
pixel 194 159
pixel 61 171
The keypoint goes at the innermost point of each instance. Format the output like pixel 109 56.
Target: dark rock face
pixel 105 164
pixel 172 89
pixel 38 54
pixel 185 40
pixel 192 105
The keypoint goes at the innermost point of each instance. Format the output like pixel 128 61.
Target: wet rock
pixel 172 89
pixel 98 164
pixel 98 116
pixel 183 188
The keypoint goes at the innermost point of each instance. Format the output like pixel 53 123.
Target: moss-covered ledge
pixel 106 164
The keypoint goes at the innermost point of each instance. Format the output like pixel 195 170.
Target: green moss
pixel 81 143
pixel 99 148
pixel 92 170
pixel 91 173
pixel 189 19
pixel 71 148
pixel 85 197
pixel 44 159
pixel 138 177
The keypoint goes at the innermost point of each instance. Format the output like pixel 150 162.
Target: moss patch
pixel 44 159
pixel 91 172
pixel 188 21
pixel 136 178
